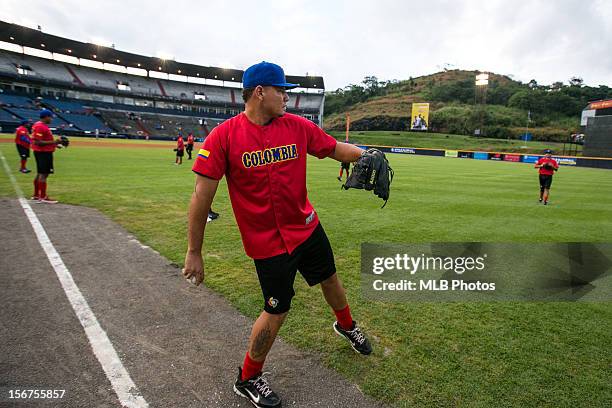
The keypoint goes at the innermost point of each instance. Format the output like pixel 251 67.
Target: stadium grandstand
pixel 96 89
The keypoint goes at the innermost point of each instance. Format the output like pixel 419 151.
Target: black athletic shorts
pixel 44 162
pixel 545 181
pixel 346 165
pixel 189 147
pixel 313 258
pixel 179 152
pixel 24 152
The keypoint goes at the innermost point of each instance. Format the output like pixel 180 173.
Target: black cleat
pixel 540 200
pixel 545 202
pixel 339 178
pixel 355 336
pixel 257 390
pixel 213 215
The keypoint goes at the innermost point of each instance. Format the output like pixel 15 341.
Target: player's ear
pixel 259 92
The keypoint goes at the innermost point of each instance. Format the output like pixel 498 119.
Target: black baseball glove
pixel 63 140
pixel 371 172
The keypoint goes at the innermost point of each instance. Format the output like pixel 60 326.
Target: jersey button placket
pixel 274 193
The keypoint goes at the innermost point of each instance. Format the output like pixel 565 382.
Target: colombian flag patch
pixel 203 154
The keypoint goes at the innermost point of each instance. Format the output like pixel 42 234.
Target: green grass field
pixel 447 141
pixel 426 354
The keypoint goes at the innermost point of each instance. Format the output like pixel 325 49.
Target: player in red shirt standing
pixel 43 146
pixel 180 150
pixel 546 168
pixel 262 153
pixel 23 141
pixel 189 148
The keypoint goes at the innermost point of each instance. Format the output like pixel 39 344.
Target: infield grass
pixel 426 354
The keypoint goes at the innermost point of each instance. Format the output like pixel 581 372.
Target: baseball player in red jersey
pixel 262 153
pixel 189 148
pixel 43 146
pixel 180 150
pixel 546 168
pixel 23 142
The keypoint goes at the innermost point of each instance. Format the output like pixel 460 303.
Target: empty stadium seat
pixel 85 122
pixel 14 100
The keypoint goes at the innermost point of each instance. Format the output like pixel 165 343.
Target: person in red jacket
pixel 23 142
pixel 43 146
pixel 189 148
pixel 262 153
pixel 180 150
pixel 546 168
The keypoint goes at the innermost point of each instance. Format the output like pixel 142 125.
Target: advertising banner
pixel 481 155
pixel 451 153
pixel 512 158
pixel 420 116
pixel 565 161
pixel 530 158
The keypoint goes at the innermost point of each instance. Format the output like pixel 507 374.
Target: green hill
pixel 386 105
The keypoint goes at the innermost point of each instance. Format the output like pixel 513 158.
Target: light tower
pixel 480 99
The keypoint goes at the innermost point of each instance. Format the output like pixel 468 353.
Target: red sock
pixel 345 320
pixel 35 187
pixel 42 186
pixel 250 367
pixel 23 163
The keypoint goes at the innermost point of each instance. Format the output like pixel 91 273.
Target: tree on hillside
pixel 371 85
pixel 576 81
pixel 556 86
pixel 527 99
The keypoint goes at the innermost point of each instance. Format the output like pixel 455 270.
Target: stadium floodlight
pixel 482 79
pixel 164 55
pixel 101 42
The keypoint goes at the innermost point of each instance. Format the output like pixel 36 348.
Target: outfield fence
pixel 596 162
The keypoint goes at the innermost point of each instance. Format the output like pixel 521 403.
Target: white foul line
pixel 100 343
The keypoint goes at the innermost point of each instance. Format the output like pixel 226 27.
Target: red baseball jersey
pixel 265 168
pixel 22 137
pixel 40 131
pixel 547 171
pixel 179 143
pixel 190 139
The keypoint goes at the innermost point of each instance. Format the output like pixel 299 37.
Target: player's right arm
pixel 201 200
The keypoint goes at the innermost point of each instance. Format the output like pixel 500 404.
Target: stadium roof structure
pixel 28 37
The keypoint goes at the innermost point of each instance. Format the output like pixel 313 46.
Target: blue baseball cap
pixel 265 74
pixel 24 122
pixel 547 151
pixel 46 113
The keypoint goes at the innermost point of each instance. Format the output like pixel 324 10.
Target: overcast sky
pixel 346 40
